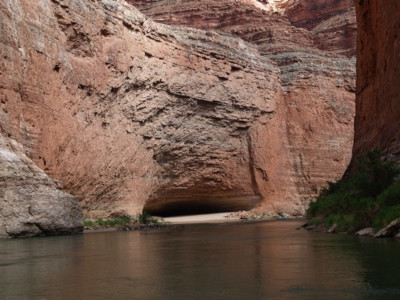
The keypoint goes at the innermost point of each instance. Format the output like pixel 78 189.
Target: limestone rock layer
pixel 129 114
pixel 30 202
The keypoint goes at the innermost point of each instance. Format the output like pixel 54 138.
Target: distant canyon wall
pixel 377 124
pixel 331 24
pixel 129 114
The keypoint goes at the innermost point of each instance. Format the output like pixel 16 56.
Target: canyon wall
pixel 129 114
pixel 332 23
pixel 313 124
pixel 124 111
pixel 377 123
pixel 31 203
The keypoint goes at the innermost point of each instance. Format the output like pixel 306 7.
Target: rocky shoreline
pixel 392 230
pixel 262 216
pixel 133 227
pixel 181 222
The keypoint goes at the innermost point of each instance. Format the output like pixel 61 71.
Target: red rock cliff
pixel 31 203
pixel 313 123
pixel 377 123
pixel 125 112
pixel 128 113
pixel 332 23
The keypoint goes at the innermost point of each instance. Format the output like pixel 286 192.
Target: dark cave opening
pixel 197 207
pixel 177 209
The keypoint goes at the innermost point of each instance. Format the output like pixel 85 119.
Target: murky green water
pixel 257 261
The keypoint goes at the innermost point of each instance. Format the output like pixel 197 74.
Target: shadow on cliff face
pixel 191 203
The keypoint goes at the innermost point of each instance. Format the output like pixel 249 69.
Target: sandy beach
pixel 201 219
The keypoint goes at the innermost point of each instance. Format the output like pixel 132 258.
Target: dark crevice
pixel 148 54
pixel 235 68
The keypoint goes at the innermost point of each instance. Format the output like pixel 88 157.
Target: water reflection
pixel 24 263
pixel 259 261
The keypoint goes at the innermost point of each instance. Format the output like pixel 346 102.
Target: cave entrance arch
pixel 192 204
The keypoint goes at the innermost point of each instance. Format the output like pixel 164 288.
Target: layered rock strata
pixel 377 123
pixel 313 125
pixel 130 114
pixel 124 111
pixel 331 22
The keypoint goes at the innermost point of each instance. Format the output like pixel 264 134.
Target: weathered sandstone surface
pixel 129 114
pixel 125 111
pixel 313 124
pixel 30 202
pixel 331 22
pixel 377 123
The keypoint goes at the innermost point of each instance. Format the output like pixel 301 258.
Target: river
pixel 269 260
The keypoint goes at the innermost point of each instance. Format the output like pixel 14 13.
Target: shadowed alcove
pixel 190 203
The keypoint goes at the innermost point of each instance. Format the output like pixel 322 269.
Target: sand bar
pixel 201 219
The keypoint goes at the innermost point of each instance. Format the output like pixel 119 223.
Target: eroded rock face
pixel 310 139
pixel 332 23
pixel 30 202
pixel 135 112
pixel 128 113
pixel 377 123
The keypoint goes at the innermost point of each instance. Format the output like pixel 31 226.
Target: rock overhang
pixel 153 110
pixel 200 201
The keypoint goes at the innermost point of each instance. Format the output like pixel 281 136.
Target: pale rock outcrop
pixel 365 232
pixel 391 230
pixel 30 202
pixel 333 228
